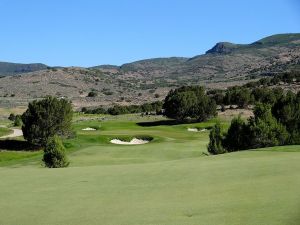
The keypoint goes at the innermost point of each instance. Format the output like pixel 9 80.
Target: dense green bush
pixel 54 153
pixel 189 102
pixel 265 130
pixel 12 117
pixel 18 121
pixel 267 95
pixel 261 130
pixel 287 111
pixel 238 96
pixel 217 95
pixel 92 94
pixel 215 145
pixel 237 135
pixel 45 118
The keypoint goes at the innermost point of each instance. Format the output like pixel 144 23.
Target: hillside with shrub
pixel 223 66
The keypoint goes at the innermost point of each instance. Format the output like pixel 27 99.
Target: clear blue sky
pixel 90 32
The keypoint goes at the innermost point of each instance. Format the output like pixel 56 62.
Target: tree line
pixel 147 108
pixel 286 77
pixel 244 96
pixel 254 92
pixel 271 125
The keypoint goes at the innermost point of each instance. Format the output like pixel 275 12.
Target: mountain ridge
pixel 151 79
pixel 9 68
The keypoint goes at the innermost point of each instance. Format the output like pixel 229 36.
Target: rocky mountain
pixel 223 65
pixel 223 47
pixel 227 61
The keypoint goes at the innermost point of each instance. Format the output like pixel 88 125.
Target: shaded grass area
pixel 18 152
pixel 17 145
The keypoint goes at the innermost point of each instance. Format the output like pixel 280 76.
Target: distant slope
pixel 280 39
pixel 7 68
pixel 154 64
pixel 224 61
pixel 225 64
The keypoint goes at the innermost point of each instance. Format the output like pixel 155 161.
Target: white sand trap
pixel 193 129
pixel 134 141
pixel 89 128
pixel 16 133
pixel 196 130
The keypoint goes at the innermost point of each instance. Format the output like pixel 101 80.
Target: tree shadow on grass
pixel 158 123
pixel 17 145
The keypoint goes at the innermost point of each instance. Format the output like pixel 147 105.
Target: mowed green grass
pixel 4 131
pixel 168 181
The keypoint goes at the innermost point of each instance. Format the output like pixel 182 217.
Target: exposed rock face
pixel 222 47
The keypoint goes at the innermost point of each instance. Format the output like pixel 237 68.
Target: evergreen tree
pixel 287 111
pixel 189 102
pixel 215 145
pixel 45 118
pixel 237 135
pixel 54 153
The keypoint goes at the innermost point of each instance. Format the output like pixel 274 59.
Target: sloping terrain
pixel 224 65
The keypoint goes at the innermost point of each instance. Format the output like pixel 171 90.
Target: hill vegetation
pixel 225 65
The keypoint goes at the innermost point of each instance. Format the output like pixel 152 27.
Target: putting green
pixel 167 181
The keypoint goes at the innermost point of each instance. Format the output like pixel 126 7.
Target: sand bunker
pixel 134 141
pixel 16 133
pixel 196 130
pixel 193 129
pixel 89 128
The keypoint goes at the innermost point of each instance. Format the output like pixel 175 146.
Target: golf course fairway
pixel 169 181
